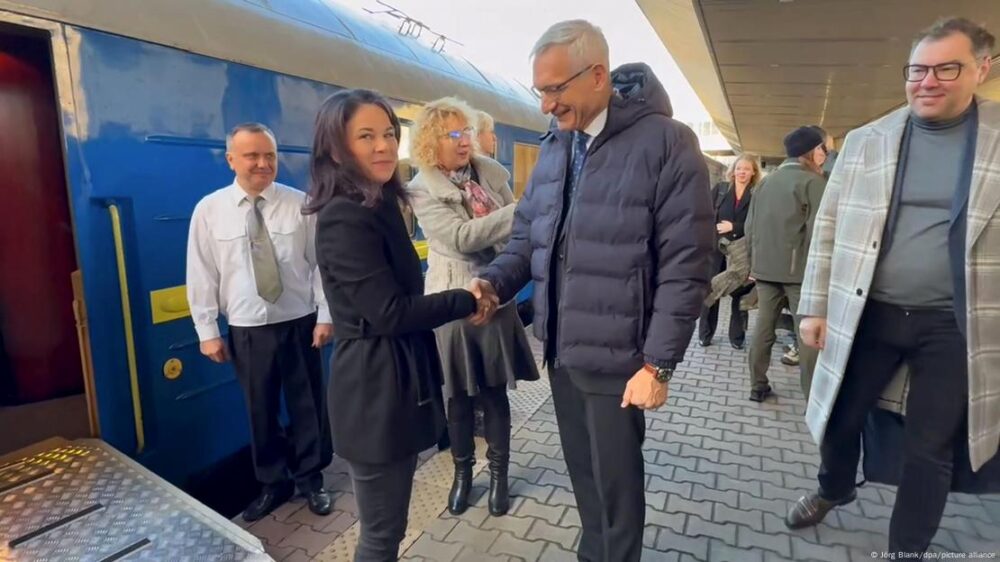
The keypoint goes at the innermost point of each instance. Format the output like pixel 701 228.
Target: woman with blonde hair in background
pixel 731 199
pixel 465 207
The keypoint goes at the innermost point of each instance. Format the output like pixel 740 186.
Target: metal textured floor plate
pixel 83 500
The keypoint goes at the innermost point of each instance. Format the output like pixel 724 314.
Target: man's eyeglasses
pixel 945 72
pixel 558 89
pixel 458 135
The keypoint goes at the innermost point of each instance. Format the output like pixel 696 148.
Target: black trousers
pixel 496 422
pixel 275 357
pixel 709 318
pixel 383 495
pixel 602 444
pixel 935 351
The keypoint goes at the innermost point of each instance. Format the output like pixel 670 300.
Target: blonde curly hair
pixel 428 128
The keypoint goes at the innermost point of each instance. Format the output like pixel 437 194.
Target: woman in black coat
pixel 732 203
pixel 384 393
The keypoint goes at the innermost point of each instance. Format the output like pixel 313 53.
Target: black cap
pixel 801 141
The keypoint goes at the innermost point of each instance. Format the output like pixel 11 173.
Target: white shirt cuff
pixel 207 331
pixel 323 315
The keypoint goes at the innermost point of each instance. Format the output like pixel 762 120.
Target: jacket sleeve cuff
pixel 661 363
pixel 813 307
pixel 207 331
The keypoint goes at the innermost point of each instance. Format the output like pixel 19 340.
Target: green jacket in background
pixel 780 223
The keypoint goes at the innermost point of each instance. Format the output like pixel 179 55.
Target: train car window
pixel 525 156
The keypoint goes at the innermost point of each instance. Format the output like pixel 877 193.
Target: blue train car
pixel 114 113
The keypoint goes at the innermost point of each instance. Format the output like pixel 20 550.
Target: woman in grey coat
pixel 465 207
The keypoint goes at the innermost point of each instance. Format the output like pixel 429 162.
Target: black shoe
pixel 811 509
pixel 738 344
pixel 705 342
pixel 319 502
pixel 458 498
pixel 499 500
pixel 760 394
pixel 269 499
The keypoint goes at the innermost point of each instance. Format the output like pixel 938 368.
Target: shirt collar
pixel 238 195
pixel 597 125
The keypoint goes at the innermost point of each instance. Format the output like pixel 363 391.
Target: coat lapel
pixel 885 148
pixel 984 191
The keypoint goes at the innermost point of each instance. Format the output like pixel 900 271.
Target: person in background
pixel 252 258
pixel 732 203
pixel 465 207
pixel 779 227
pixel 385 391
pixel 486 135
pixel 830 146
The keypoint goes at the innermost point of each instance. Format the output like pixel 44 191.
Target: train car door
pixel 43 342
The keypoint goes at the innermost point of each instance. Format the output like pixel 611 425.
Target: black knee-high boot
pixel 463 451
pixel 496 419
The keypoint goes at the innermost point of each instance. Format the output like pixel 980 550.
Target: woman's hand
pixel 724 227
pixel 487 301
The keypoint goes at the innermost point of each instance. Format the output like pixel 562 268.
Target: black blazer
pixel 384 394
pixel 724 198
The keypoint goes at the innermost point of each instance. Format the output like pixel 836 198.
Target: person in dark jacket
pixel 617 231
pixel 779 228
pixel 732 203
pixel 385 389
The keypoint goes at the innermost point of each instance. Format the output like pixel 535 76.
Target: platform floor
pixel 721 473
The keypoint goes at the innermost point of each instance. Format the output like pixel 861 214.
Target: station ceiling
pixel 764 67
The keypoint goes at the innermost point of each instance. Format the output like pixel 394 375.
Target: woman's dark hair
pixel 333 170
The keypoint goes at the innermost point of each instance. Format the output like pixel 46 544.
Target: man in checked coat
pixel 904 270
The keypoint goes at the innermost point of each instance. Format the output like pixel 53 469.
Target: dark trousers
pixel 383 496
pixel 496 422
pixel 271 358
pixel 602 444
pixel 770 300
pixel 935 351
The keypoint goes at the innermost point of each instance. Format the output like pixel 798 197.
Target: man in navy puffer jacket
pixel 616 228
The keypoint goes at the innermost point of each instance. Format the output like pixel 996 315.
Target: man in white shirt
pixel 252 258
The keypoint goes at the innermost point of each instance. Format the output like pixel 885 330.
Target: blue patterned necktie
pixel 577 159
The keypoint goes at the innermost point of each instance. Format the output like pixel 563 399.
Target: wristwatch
pixel 662 374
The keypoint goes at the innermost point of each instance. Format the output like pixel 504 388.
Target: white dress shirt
pixel 596 126
pixel 220 278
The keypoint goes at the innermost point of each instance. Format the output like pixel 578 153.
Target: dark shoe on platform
pixel 269 499
pixel 738 344
pixel 760 394
pixel 811 509
pixel 319 502
pixel 458 498
pixel 705 342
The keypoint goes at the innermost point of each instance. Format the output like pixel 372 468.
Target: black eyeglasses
pixel 558 89
pixel 945 72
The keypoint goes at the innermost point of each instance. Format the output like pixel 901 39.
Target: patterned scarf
pixel 477 201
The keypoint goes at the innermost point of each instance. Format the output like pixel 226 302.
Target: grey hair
pixel 981 39
pixel 250 127
pixel 585 40
pixel 484 121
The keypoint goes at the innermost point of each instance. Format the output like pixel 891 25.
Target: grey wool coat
pixel 845 249
pixel 459 245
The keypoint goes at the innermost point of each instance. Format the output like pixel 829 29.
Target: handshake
pixel 487 301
